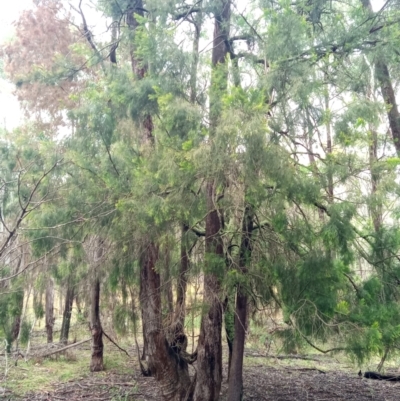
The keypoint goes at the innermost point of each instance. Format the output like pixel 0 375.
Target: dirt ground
pixel 266 378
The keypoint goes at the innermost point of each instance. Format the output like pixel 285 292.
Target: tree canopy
pixel 254 144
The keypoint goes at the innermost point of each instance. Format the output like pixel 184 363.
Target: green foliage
pixel 38 309
pixel 123 318
pixel 291 341
pixel 291 123
pixel 25 331
pixel 11 305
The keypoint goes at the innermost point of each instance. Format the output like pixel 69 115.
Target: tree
pixel 209 376
pixel 260 165
pixel 49 313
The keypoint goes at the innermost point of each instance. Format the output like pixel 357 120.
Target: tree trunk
pixel 235 388
pixel 139 70
pixel 209 359
pixel 180 313
pixel 376 205
pixel 166 282
pixel 50 310
pixel 329 150
pixel 382 73
pixel 16 326
pixel 96 363
pixel 165 363
pixel 69 300
pixel 229 320
pixel 385 82
pixel 135 7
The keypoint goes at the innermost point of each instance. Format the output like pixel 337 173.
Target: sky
pixel 10 115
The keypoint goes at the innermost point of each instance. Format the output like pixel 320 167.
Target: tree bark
pixel 235 388
pixel 135 7
pixel 50 310
pixel 383 75
pixel 229 320
pixel 165 360
pixel 169 369
pixel 16 326
pixel 180 313
pixel 385 82
pixel 66 322
pixel 96 363
pixel 166 282
pixel 209 359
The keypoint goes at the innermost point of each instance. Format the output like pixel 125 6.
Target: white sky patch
pixel 10 113
pixel 377 4
pixel 10 13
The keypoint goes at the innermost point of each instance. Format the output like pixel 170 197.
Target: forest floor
pixel 266 377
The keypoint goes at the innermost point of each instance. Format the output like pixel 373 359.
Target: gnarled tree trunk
pixel 165 363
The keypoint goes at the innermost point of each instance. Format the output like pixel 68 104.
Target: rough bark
pixel 164 361
pixel 235 388
pixel 209 359
pixel 229 321
pixel 179 318
pixel 114 42
pixel 385 82
pixel 376 206
pixel 166 283
pixel 50 310
pixel 66 322
pixel 96 362
pixel 135 7
pixel 383 75
pixel 329 150
pixel 15 327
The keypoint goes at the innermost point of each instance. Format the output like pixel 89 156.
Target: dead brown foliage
pixel 44 61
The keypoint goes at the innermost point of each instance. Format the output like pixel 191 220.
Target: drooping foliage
pixel 252 144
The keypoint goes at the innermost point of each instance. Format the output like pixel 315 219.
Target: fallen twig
pixel 121 349
pixel 65 348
